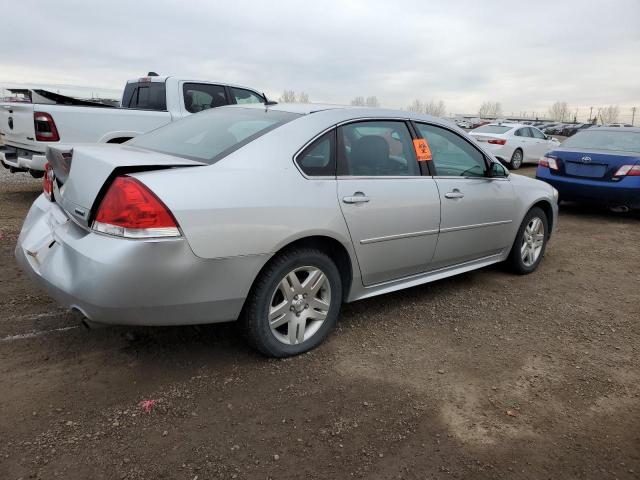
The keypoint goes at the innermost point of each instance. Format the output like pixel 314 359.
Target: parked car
pixel 275 215
pixel 547 129
pixel 600 165
pixel 147 103
pixel 619 125
pixel 514 143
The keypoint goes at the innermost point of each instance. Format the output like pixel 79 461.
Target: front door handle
pixel 455 194
pixel 357 197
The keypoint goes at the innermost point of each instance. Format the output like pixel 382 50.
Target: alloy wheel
pixel 299 305
pixel 516 159
pixel 532 241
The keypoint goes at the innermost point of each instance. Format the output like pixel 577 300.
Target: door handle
pixel 455 194
pixel 357 197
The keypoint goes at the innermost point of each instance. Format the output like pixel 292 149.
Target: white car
pixel 514 143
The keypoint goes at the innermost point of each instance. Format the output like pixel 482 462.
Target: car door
pixel 542 145
pixel 392 211
pixel 524 140
pixel 476 210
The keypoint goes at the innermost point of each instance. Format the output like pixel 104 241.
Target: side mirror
pixel 497 171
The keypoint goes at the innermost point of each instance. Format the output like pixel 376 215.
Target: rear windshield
pixel 492 129
pixel 619 141
pixel 145 96
pixel 213 134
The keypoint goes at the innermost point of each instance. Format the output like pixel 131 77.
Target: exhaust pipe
pixel 619 209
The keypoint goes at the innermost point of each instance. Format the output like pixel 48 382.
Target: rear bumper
pixel 120 281
pixel 624 192
pixel 21 159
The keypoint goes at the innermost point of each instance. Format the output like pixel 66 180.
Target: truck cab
pixel 45 118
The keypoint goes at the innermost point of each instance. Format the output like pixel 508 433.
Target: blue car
pixel 597 165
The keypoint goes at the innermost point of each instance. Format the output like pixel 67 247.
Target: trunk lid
pixel 83 173
pixel 593 165
pixel 16 124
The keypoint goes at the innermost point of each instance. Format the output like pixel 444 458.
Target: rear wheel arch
pixel 331 247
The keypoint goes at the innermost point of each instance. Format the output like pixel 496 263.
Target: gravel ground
pixel 486 375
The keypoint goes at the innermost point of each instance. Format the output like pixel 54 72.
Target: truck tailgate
pixel 16 124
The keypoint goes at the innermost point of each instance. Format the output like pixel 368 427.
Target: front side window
pixel 537 133
pixel 377 149
pixel 203 96
pixel 243 96
pixel 452 155
pixel 214 134
pixel 318 159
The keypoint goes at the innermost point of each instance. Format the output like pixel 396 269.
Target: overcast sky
pixel 525 55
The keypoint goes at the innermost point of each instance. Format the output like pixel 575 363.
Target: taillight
pixel 497 141
pixel 628 171
pixel 130 209
pixel 45 127
pixel 47 181
pixel 548 162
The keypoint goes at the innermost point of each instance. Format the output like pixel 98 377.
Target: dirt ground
pixel 485 375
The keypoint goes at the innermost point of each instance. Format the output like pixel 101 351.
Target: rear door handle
pixel 454 194
pixel 357 197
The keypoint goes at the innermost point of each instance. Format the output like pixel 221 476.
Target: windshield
pixel 605 140
pixel 211 135
pixel 492 129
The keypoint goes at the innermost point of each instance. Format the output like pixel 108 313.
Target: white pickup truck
pixel 26 129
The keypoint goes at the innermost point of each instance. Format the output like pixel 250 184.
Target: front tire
pixel 530 243
pixel 294 303
pixel 516 159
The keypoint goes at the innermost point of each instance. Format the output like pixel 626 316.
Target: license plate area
pixel 585 170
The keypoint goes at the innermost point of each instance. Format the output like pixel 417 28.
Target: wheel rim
pixel 532 241
pixel 517 159
pixel 299 305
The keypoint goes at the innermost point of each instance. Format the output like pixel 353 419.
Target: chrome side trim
pixel 429 273
pixel 477 225
pixel 398 236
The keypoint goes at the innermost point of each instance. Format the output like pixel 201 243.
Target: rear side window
pixel 203 96
pixel 377 149
pixel 242 96
pixel 318 159
pixel 522 132
pixel 145 96
pixel 214 134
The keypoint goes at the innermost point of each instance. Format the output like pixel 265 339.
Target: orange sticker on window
pixel 423 152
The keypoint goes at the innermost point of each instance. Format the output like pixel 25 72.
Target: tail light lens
pixel 548 162
pixel 628 171
pixel 497 141
pixel 45 127
pixel 47 182
pixel 131 210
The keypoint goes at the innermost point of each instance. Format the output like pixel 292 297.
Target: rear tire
pixel 294 303
pixel 530 242
pixel 516 159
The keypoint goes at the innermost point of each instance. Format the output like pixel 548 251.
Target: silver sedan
pixel 275 216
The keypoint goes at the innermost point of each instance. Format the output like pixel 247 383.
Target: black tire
pixel 516 159
pixel 254 318
pixel 515 261
pixel 36 173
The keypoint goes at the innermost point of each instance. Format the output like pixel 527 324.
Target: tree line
pixel 559 111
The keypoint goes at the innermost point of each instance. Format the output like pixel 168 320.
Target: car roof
pixel 344 112
pixel 616 129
